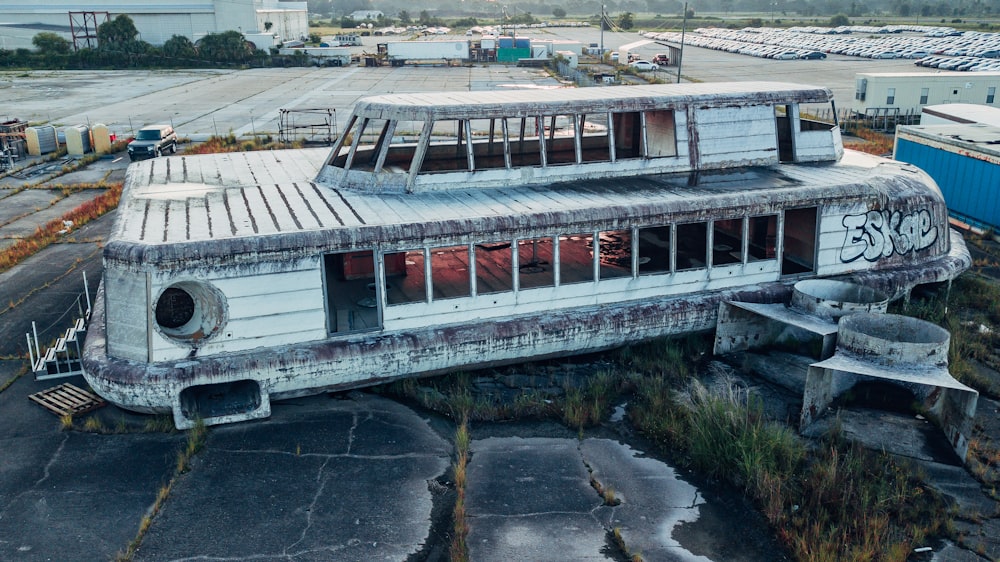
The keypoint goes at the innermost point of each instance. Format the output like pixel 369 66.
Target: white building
pixel 961 113
pixel 905 93
pixel 362 15
pixel 156 21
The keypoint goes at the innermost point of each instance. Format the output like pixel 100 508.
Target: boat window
pixel 817 117
pixel 727 241
pixel 661 134
pixel 523 135
pixel 488 143
pixel 628 135
pixel 763 232
pixel 351 297
pixel 616 254
pixel 405 280
pixel 654 250
pixel 365 141
pixel 692 245
pixel 799 247
pixel 450 272
pixel 594 138
pixel 560 139
pixel 447 147
pixel 534 263
pixel 576 258
pixel 493 268
pixel 783 127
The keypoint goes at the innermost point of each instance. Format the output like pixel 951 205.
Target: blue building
pixel 964 160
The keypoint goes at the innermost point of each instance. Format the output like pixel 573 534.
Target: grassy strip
pixel 459 551
pixel 195 443
pixel 51 231
pixel 230 143
pixel 872 142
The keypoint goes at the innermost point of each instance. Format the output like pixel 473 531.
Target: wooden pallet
pixel 67 400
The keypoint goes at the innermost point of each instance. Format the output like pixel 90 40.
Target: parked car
pixel 661 59
pixel 644 65
pixel 813 55
pixel 787 55
pixel 152 141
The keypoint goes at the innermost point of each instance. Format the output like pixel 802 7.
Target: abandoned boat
pixel 460 230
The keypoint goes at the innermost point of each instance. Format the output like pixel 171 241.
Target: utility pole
pixel 680 59
pixel 602 31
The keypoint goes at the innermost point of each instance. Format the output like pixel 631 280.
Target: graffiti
pixel 877 234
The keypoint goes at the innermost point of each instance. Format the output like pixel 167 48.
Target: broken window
pixel 763 233
pixel 405 280
pixel 628 135
pixel 594 138
pixel 523 141
pixel 692 245
pixel 351 291
pixel 654 250
pixel 816 116
pixel 560 139
pixel 447 147
pixel 493 268
pixel 576 258
pixel 450 272
pixel 799 245
pixel 488 142
pixel 363 143
pixel 534 263
pixel 616 254
pixel 727 241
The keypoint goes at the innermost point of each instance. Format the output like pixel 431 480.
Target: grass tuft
pixel 459 551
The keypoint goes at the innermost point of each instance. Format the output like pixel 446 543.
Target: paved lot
pixel 200 103
pixel 356 477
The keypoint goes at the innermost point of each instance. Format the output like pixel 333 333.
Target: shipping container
pixel 964 161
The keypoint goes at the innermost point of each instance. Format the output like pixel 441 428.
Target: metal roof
pixel 195 207
pixel 517 103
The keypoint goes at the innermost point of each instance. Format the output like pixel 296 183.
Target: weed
pixel 66 422
pixel 195 442
pixel 161 423
pixel 93 424
pixel 619 542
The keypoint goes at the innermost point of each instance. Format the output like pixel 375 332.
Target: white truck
pixel 322 56
pixel 399 53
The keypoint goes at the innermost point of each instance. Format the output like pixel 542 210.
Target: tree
pixel 625 21
pixel 117 32
pixel 225 47
pixel 49 43
pixel 839 20
pixel 180 49
pixel 404 17
pixel 559 12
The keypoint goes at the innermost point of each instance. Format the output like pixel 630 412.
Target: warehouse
pixel 155 21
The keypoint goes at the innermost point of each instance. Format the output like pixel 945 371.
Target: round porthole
pixel 189 311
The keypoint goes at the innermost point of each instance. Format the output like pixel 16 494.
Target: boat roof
pixel 518 103
pixel 217 206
